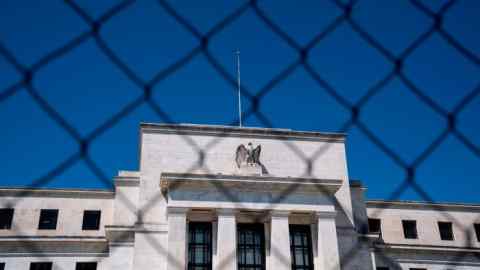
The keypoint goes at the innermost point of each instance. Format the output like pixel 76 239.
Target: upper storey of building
pixel 277 158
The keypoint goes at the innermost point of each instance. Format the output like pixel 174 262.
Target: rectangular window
pixel 48 219
pixel 301 247
pixel 86 266
pixel 199 246
pixel 382 268
pixel 374 225
pixel 6 217
pixel 410 229
pixel 41 266
pixel 2 266
pixel 251 247
pixel 477 231
pixel 91 220
pixel 418 268
pixel 446 231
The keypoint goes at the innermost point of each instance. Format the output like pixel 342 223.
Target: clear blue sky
pixel 87 89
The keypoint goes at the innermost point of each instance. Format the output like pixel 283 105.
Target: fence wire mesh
pixel 256 98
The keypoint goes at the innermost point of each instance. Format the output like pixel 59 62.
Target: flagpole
pixel 238 85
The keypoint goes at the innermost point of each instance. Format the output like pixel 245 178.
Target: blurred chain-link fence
pixel 256 98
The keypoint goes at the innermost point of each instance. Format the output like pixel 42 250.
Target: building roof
pixel 232 131
pixel 56 192
pixel 419 205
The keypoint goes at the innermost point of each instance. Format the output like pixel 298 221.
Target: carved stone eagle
pixel 249 155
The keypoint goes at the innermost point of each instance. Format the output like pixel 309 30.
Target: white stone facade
pixel 188 175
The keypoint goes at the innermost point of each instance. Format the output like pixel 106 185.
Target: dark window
pixel 382 268
pixel 86 266
pixel 6 216
pixel 410 229
pixel 301 247
pixel 477 231
pixel 2 266
pixel 418 268
pixel 446 231
pixel 199 246
pixel 251 247
pixel 41 266
pixel 91 220
pixel 48 219
pixel 374 225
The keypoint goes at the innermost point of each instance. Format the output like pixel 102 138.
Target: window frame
pixel 476 228
pixel 43 212
pixel 255 228
pixel 48 264
pixel 370 221
pixel 8 212
pixel 206 244
pixel 2 265
pixel 80 265
pixel 449 236
pixel 405 225
pixel 96 227
pixel 306 247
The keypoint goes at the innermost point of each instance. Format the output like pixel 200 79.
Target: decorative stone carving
pixel 248 159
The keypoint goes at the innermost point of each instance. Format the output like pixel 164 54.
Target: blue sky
pixel 87 89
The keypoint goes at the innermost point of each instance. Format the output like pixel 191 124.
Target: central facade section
pixel 240 198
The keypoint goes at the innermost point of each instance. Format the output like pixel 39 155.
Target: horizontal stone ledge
pixel 51 238
pixel 255 182
pixel 418 247
pixel 249 132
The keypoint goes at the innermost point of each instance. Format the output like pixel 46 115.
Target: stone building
pixel 215 197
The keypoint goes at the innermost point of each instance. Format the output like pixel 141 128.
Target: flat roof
pixel 437 206
pixel 56 192
pixel 233 131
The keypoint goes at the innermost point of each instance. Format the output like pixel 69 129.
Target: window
pixel 2 266
pixel 251 247
pixel 41 266
pixel 301 247
pixel 410 229
pixel 48 219
pixel 446 231
pixel 374 225
pixel 91 220
pixel 6 216
pixel 477 231
pixel 199 246
pixel 86 266
pixel 382 268
pixel 418 268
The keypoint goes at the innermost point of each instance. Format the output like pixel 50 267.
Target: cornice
pixel 230 131
pixel 58 193
pixel 415 247
pixel 265 183
pixel 423 205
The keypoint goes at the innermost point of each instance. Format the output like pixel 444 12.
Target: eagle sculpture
pixel 249 155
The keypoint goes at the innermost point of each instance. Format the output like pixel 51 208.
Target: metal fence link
pixel 302 61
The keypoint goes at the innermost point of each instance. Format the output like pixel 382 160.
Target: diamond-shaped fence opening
pixel 99 36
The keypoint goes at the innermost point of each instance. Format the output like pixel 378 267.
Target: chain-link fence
pixel 256 98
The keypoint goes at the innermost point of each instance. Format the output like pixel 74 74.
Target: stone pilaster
pixel 280 257
pixel 177 239
pixel 226 258
pixel 327 243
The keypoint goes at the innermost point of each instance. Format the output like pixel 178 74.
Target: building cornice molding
pixel 256 182
pixel 127 181
pixel 382 204
pixel 230 131
pixel 58 193
pixel 415 247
